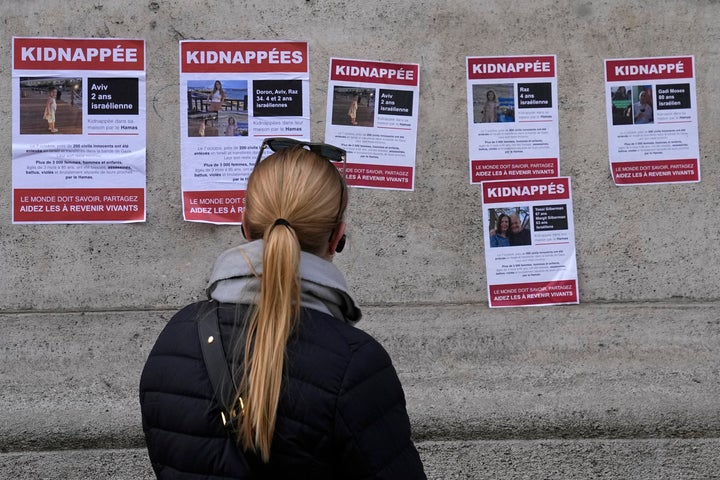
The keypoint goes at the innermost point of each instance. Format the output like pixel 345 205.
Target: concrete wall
pixel 624 385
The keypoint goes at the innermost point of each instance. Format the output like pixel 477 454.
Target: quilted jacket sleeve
pixel 372 425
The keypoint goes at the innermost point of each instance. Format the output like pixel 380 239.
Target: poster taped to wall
pixel 372 112
pixel 78 130
pixel 512 106
pixel 529 235
pixel 233 94
pixel 652 120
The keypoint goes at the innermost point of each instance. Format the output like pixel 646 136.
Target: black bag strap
pixel 216 363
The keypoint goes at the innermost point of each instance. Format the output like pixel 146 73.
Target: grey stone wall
pixel 624 385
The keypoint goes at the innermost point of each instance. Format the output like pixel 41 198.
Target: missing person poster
pixel 512 117
pixel 529 237
pixel 78 130
pixel 372 112
pixel 652 120
pixel 233 94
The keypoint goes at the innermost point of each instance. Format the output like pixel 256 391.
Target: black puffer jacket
pixel 341 415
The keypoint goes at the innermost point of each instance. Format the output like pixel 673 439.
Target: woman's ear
pixel 242 226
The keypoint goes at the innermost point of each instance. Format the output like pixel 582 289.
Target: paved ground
pixel 676 459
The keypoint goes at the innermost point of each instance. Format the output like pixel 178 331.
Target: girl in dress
pixel 50 108
pixel 352 112
pixel 231 129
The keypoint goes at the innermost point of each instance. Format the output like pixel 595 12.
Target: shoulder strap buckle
pixel 217 366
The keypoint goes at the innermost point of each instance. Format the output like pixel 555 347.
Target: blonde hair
pixel 309 193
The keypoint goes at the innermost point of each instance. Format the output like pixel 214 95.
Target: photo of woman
pixel 217 107
pixel 217 97
pixel 509 226
pixel 501 238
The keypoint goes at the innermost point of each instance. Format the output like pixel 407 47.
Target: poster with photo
pixel 234 94
pixel 529 235
pixel 652 120
pixel 512 106
pixel 372 112
pixel 78 130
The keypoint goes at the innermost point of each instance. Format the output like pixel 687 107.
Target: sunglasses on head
pixel 330 152
pixel 325 150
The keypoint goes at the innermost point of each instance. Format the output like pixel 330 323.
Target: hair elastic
pixel 282 221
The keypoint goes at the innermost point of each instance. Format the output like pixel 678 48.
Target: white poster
pixel 529 235
pixel 78 130
pixel 652 120
pixel 233 94
pixel 512 117
pixel 372 112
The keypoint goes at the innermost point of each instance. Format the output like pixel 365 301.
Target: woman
pixel 216 97
pixel 491 108
pixel 501 235
pixel 319 398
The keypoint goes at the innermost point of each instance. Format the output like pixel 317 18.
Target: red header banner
pixel 243 57
pixel 78 54
pixel 526 190
pixel 374 72
pixel 649 69
pixel 481 68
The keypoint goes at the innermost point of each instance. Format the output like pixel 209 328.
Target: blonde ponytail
pixel 294 201
pixel 270 325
